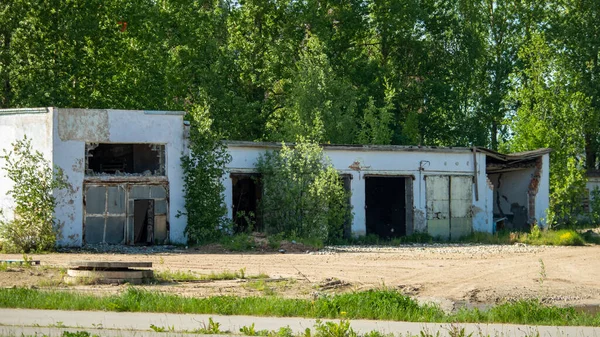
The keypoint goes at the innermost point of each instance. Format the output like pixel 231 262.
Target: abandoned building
pixel 592 188
pixel 126 180
pixel 123 167
pixel 399 190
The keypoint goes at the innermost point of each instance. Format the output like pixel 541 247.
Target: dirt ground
pixel 447 274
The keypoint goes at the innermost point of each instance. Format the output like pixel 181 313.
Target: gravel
pixel 439 248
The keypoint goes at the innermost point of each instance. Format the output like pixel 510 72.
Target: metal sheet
pixel 438 217
pixel 160 228
pixel 160 207
pixel 140 192
pixel 95 200
pixel 115 230
pixel 158 192
pixel 438 228
pixel 94 230
pixel 116 200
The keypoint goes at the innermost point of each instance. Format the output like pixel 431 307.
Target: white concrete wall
pixel 391 162
pixel 592 184
pixel 36 124
pixel 542 199
pixel 73 128
pixel 513 188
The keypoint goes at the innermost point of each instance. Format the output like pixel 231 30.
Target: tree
pixel 303 194
pixel 315 103
pixel 33 228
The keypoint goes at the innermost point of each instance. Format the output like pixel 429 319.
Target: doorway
pixel 247 192
pixel 143 221
pixel 387 214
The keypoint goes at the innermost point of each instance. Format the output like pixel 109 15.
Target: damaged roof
pixel 511 157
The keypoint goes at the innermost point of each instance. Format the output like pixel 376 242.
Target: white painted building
pixel 126 179
pixel 123 167
pixel 399 190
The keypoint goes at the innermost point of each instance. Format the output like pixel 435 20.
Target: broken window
pixel 125 159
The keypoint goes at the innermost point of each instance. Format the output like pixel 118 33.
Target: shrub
pixel 34 181
pixel 303 194
pixel 203 170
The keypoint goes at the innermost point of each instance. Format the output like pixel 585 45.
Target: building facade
pixel 126 180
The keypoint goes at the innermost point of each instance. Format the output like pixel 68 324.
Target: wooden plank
pixel 107 265
pixel 103 274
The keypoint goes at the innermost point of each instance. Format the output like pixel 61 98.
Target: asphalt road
pixel 14 322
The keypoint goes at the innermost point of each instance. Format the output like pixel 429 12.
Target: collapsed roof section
pixel 498 162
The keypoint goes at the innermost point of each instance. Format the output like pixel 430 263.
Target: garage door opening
pixel 247 192
pixel 143 221
pixel 388 206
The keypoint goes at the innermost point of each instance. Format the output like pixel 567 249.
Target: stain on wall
pixel 83 125
pixel 420 221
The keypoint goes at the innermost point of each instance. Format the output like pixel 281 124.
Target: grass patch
pixel 189 276
pixel 373 304
pixel 563 237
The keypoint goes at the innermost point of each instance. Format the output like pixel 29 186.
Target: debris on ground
pixel 333 283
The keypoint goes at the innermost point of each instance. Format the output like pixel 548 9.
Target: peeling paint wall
pixel 14 125
pixel 416 164
pixel 523 195
pixel 73 128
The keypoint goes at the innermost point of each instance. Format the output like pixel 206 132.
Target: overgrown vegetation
pixel 33 227
pixel 168 275
pixel 372 304
pixel 203 170
pixel 537 237
pixel 303 194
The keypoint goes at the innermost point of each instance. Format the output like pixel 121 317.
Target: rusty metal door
pixel 105 214
pixel 449 204
pixel 438 206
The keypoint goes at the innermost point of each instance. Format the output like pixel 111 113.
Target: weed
pixel 78 334
pixel 213 328
pixel 251 331
pixel 372 304
pixel 331 329
pixel 161 260
pixel 162 328
pixel 285 331
pixel 456 331
pixel 58 324
pixel 189 276
pixel 238 243
pixel 274 241
pixel 542 273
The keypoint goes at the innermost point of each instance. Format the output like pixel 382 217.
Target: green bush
pixel 203 171
pixel 33 228
pixel 303 195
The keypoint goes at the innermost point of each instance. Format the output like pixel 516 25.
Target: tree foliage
pixel 33 227
pixel 488 73
pixel 203 168
pixel 303 194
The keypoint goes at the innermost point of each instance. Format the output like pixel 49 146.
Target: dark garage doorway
pixel 388 206
pixel 247 192
pixel 143 221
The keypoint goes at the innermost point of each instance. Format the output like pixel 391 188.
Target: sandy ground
pixel 448 274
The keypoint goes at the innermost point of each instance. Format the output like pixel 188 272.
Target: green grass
pixel 563 237
pixel 183 276
pixel 373 304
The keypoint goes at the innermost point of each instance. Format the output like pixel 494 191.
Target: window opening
pixel 125 159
